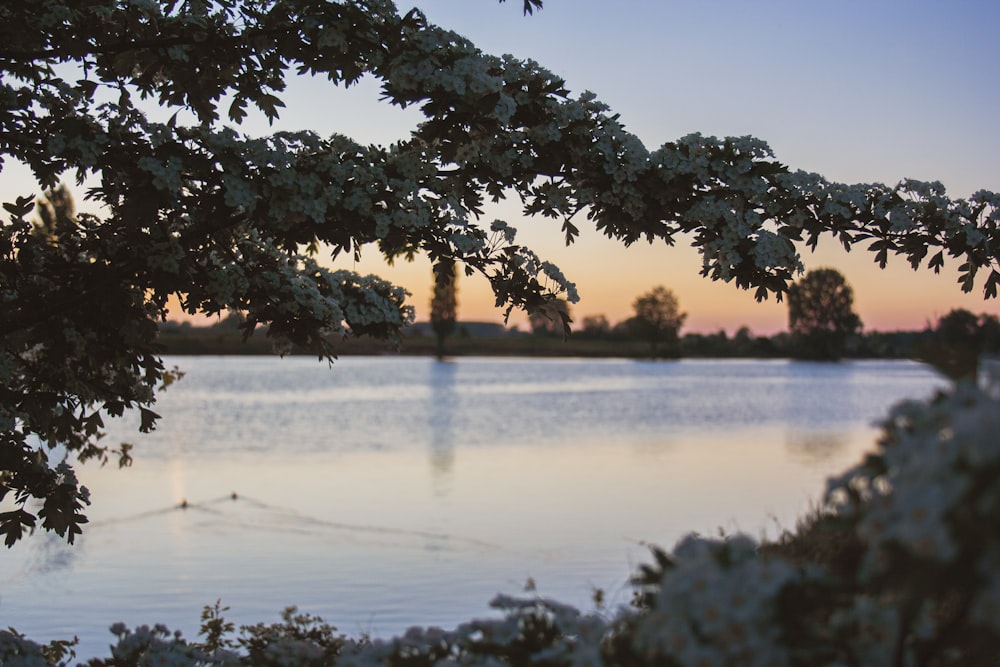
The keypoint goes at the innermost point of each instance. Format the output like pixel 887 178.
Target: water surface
pixel 386 491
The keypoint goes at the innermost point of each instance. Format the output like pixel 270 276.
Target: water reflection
pixel 816 447
pixel 653 450
pixel 442 403
pixel 47 553
pixel 554 469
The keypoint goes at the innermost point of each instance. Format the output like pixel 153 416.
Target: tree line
pixel 822 326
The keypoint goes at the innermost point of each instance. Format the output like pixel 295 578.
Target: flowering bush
pixel 917 584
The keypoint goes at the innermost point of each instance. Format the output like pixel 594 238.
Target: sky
pixel 858 91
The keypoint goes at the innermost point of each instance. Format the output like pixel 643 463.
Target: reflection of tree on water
pixel 46 552
pixel 440 415
pixel 42 554
pixel 815 446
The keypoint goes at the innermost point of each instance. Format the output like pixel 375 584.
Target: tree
pixel 958 341
pixel 743 342
pixel 551 318
pixel 821 315
pixel 56 213
pixel 658 320
pixel 193 209
pixel 595 326
pixel 444 303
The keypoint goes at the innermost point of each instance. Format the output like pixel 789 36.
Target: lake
pixel 391 491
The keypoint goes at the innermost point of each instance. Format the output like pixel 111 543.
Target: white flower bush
pixel 717 604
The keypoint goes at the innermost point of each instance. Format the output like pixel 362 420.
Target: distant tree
pixel 958 340
pixel 551 319
pixel 891 344
pixel 234 321
pixel 56 213
pixel 658 320
pixel 989 333
pixel 743 342
pixel 595 326
pixel 743 334
pixel 821 315
pixel 444 303
pixel 705 345
pixel 962 328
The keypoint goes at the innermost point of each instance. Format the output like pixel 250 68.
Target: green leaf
pixel 269 104
pixel 571 231
pixel 990 289
pixel 21 207
pixel 936 262
pixel 87 87
pixel 238 110
pixel 12 525
pixel 147 420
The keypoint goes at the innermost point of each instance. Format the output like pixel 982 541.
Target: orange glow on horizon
pixel 609 277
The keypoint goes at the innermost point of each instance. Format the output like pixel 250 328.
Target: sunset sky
pixel 856 90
